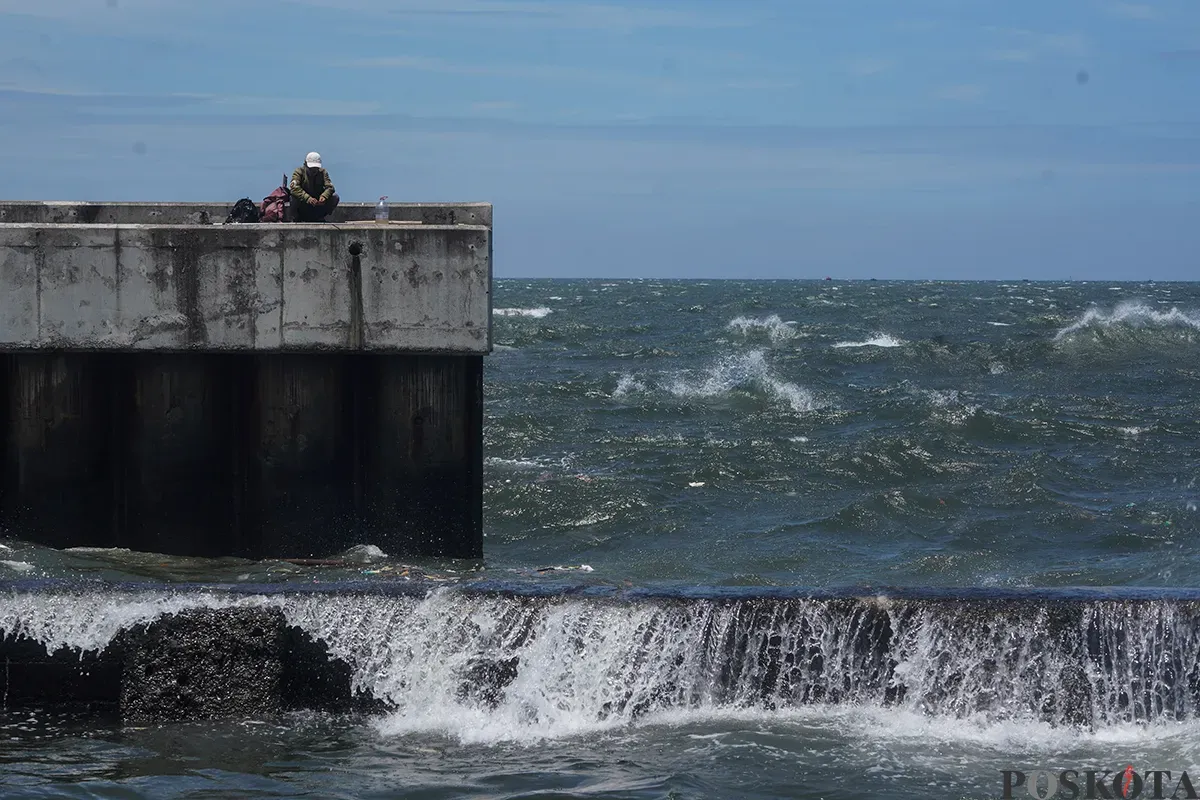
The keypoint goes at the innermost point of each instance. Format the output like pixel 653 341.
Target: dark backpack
pixel 244 210
pixel 274 205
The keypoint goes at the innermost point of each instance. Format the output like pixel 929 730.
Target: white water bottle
pixel 381 210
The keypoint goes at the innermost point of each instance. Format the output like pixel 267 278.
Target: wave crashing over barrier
pixel 492 663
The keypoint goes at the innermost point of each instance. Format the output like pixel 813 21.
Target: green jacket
pixel 321 188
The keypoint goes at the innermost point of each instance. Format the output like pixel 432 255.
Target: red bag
pixel 274 205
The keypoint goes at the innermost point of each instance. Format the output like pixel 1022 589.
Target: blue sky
pixel 851 138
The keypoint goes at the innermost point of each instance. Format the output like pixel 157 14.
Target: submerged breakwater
pixel 492 664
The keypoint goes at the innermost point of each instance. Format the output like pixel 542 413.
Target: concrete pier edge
pixel 173 384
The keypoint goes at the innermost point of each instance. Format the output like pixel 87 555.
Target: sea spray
pixel 485 666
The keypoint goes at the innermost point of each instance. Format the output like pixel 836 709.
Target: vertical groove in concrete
pixel 356 298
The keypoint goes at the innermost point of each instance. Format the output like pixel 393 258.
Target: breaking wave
pixel 1130 316
pixel 533 313
pixel 879 340
pixel 744 371
pixel 773 327
pixel 490 667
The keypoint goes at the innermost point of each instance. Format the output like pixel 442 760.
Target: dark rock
pixel 85 684
pixel 315 680
pixel 204 664
pixel 485 680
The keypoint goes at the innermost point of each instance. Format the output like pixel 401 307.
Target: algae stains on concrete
pixel 265 287
pixel 413 274
pixel 439 216
pixel 186 262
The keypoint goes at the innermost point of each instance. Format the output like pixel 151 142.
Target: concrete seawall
pixel 175 385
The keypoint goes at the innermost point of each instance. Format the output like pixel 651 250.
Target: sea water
pixel 678 442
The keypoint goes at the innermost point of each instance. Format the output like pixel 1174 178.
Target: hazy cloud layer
pixel 695 137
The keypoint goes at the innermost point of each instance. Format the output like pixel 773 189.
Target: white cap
pixel 312 160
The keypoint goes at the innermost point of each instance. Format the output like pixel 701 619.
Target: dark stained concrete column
pixel 258 455
pixel 60 448
pixel 422 420
pixel 184 443
pixel 304 459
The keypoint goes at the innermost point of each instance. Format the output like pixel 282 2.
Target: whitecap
pixel 626 385
pixel 511 463
pixel 775 328
pixel 1131 314
pixel 879 340
pixel 534 313
pixel 745 369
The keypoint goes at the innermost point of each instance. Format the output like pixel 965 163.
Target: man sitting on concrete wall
pixel 313 197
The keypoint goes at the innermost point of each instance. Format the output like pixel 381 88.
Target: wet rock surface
pixel 204 664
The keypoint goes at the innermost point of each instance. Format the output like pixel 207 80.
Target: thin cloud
pixel 1134 11
pixel 494 105
pixel 182 104
pixel 752 85
pixel 1012 56
pixel 961 93
pixel 1044 42
pixel 871 66
pixel 586 16
pixel 537 72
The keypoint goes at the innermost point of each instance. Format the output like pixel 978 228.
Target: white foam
pixel 88 621
pixel 744 369
pixel 511 463
pixel 773 326
pixel 19 566
pixel 879 340
pixel 626 385
pixel 534 313
pixel 1131 314
pixel 364 553
pixel 573 665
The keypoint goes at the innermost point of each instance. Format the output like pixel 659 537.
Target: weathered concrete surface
pixel 68 213
pixel 413 287
pixel 172 384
